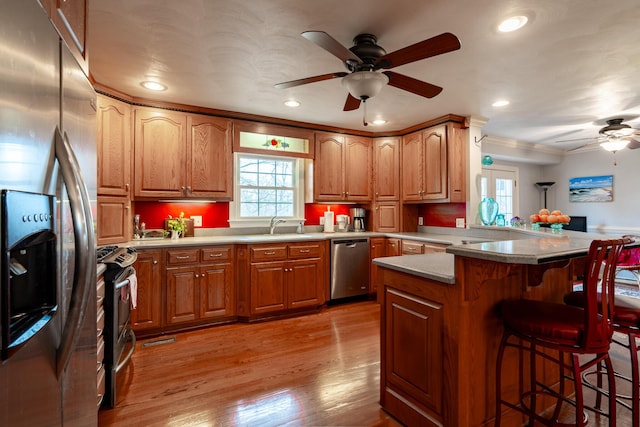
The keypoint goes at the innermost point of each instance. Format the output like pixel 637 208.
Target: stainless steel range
pixel 120 295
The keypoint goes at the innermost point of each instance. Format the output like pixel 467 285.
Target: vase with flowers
pixel 177 226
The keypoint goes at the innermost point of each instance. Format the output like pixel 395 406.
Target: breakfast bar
pixel 440 327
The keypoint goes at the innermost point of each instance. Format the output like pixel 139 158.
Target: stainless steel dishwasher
pixel 349 267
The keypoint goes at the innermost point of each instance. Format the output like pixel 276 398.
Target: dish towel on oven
pixel 133 290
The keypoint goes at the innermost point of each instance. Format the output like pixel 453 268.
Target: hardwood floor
pixel 317 370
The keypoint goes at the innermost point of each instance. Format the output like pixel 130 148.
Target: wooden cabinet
pixel 148 313
pixel 70 19
pixel 393 247
pixel 412 336
pixel 342 168
pixel 386 184
pixel 182 156
pixel 377 249
pixel 424 165
pixel 285 276
pixel 114 222
pixel 412 247
pixel 199 284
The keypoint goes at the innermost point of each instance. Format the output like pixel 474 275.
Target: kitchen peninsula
pixel 440 327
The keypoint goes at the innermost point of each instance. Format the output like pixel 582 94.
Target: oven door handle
pixel 124 361
pixel 85 265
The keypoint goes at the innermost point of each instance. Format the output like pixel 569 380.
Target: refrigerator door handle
pixel 85 264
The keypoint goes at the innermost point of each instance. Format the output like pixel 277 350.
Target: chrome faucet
pixel 274 223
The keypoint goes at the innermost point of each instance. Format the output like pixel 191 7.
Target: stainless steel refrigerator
pixel 48 146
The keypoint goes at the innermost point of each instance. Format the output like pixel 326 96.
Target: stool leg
pixel 533 382
pixel 577 378
pixel 635 379
pixel 611 377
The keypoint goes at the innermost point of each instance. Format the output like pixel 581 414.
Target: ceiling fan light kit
pixel 364 84
pixel 614 144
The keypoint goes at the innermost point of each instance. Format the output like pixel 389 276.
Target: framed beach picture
pixel 591 189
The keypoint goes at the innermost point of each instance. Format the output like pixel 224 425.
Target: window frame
pixel 491 173
pixel 235 218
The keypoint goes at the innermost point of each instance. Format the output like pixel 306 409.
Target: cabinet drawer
pixel 267 253
pixel 177 257
pixel 409 248
pixel 219 253
pixel 309 250
pixel 100 292
pixel 100 321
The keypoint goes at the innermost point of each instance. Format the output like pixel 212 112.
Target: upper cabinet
pixel 114 220
pixel 424 165
pixel 114 147
pixel 342 168
pixel 181 156
pixel 386 166
pixel 70 19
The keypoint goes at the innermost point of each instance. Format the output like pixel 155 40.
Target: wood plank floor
pixel 317 370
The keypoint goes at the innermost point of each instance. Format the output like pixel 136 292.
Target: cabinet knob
pixel 127 207
pixel 183 189
pixel 189 188
pixel 197 276
pixel 347 193
pixel 126 186
pixel 155 261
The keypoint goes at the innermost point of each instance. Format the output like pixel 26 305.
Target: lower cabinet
pixel 377 246
pixel 411 247
pixel 283 277
pixel 183 287
pixel 148 313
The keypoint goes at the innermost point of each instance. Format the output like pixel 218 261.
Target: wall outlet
pixel 197 220
pixel 460 222
pixel 420 220
pixel 321 220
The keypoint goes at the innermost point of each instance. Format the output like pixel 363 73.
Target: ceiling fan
pixel 613 137
pixel 366 58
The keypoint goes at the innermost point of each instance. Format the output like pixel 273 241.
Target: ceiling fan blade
pixel 445 42
pixel 412 85
pixel 633 144
pixel 573 140
pixel 331 45
pixel 351 104
pixel 582 146
pixel 299 82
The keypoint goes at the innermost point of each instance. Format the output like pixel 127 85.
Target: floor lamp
pixel 544 186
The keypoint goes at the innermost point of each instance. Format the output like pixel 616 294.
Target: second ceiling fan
pixel 365 59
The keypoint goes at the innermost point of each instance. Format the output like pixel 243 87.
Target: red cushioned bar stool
pixel 543 329
pixel 626 321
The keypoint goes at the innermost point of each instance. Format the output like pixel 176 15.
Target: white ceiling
pixel 576 64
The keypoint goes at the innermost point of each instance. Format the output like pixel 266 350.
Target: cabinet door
pixel 302 283
pixel 217 298
pixel 328 167
pixel 457 152
pixel 114 147
pixel 378 250
pixel 70 19
pixel 211 164
pixel 358 168
pixel 413 348
pixel 386 217
pixel 148 313
pixel 160 153
pixel 386 167
pixel 268 291
pixel 412 167
pixel 182 295
pixel 114 222
pixel 435 156
pixel 393 247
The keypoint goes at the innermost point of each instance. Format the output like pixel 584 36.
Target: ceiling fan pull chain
pixel 364 112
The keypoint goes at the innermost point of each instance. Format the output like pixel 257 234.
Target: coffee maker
pixel 358 216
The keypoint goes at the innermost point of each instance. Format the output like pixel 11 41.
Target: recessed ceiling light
pixel 513 23
pixel 379 122
pixel 292 103
pixel 500 103
pixel 158 87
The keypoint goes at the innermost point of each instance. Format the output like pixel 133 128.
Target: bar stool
pixel 575 331
pixel 626 321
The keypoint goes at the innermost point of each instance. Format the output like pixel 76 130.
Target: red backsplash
pixel 153 214
pixel 216 215
pixel 442 214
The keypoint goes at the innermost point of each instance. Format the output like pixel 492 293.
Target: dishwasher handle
pixel 351 243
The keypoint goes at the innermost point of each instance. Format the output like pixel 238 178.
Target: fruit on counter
pixel 550 217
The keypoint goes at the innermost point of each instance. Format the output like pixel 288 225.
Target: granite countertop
pixel 437 266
